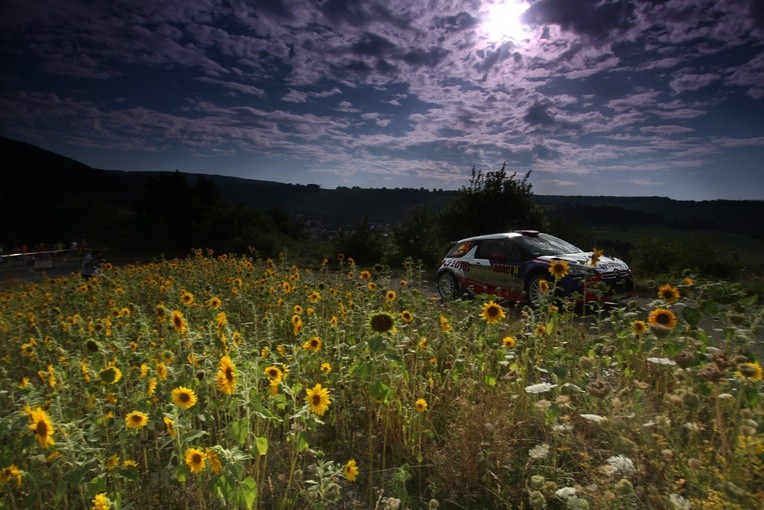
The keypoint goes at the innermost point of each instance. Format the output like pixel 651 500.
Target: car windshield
pixel 544 244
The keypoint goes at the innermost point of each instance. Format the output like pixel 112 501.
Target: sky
pixel 609 97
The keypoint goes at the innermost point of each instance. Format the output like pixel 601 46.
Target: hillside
pixel 50 197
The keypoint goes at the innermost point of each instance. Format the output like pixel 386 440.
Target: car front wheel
pixel 448 288
pixel 533 290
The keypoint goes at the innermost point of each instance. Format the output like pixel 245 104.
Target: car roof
pixel 502 235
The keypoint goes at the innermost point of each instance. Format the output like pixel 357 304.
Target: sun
pixel 502 21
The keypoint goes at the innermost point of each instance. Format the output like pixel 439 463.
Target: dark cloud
pixel 596 20
pixel 457 23
pixel 373 45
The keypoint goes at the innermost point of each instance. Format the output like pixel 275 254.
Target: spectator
pixel 90 264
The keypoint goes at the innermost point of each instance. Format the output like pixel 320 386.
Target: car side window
pixel 496 250
pixel 519 252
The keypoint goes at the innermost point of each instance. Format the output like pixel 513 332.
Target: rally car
pixel 512 266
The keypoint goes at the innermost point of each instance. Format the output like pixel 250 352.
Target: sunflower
pixel 407 316
pixel 297 312
pixel 596 255
pixel 183 397
pixel 41 425
pixel 161 312
pixel 333 321
pixel 372 286
pixel 390 295
pixel 445 326
pixel 381 322
pixel 318 398
pixel 110 374
pixel 364 275
pixel 638 327
pixel 314 296
pixel 161 371
pixel 169 425
pixel 101 502
pixel 662 317
pixel 559 269
pixel 297 325
pixel 508 342
pixel 92 346
pixel 543 286
pixel 492 312
pixel 752 371
pixel 9 473
pixel 350 470
pixel 187 298
pixel 151 386
pixel 215 302
pixel 313 344
pixel 540 330
pixel 136 420
pixel 226 376
pixel 196 460
pixel 669 294
pixel 178 322
pixel 688 282
pixel 216 466
pixel 274 373
pixel 326 367
pixel 420 405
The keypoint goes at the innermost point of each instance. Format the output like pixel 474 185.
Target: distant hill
pixel 51 197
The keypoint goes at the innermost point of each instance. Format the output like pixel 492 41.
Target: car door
pixel 492 268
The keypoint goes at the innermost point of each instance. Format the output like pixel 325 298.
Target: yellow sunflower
pixel 42 426
pixel 364 275
pixel 274 373
pixel 183 397
pixel 350 470
pixel 390 295
pixel 215 302
pixel 638 327
pixel 559 269
pixel 492 312
pixel 179 322
pixel 407 316
pixel 543 286
pixel 318 398
pixel 508 342
pixel 326 367
pixel 136 420
pixel 101 502
pixel 169 424
pixel 216 466
pixel 196 460
pixel 445 326
pixel 226 376
pixel 421 405
pixel 110 374
pixel 313 344
pixel 381 322
pixel 187 297
pixel 9 473
pixel 669 294
pixel 314 296
pixel 662 317
pixel 752 371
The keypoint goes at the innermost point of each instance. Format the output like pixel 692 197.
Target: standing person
pixel 90 263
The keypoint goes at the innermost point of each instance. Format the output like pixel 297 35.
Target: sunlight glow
pixel 503 20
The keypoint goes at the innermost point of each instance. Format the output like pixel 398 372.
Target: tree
pixel 492 202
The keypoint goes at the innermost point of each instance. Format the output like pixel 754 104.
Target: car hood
pixel 604 264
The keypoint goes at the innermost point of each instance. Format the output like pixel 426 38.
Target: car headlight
pixel 579 270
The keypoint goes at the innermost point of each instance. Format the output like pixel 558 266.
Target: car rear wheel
pixel 448 288
pixel 533 290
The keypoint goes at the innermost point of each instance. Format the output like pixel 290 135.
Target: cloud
pixel 583 17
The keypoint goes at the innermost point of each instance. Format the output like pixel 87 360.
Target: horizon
pixel 624 98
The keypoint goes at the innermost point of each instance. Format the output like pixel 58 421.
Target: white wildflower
pixel 593 417
pixel 692 426
pixel 662 361
pixel 539 388
pixel 623 464
pixel 565 492
pixel 563 427
pixel 539 452
pixel 679 502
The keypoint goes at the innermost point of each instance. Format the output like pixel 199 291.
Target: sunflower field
pixel 236 382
